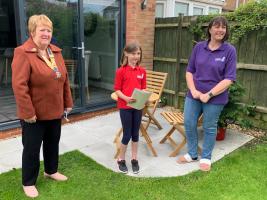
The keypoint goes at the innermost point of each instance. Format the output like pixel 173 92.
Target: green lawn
pixel 241 175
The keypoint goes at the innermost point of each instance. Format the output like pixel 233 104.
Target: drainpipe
pixel 236 4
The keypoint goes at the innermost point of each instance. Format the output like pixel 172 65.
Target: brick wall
pixel 230 5
pixel 140 27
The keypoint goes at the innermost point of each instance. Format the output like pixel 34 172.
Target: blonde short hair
pixel 36 20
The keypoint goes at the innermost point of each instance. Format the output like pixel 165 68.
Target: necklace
pixel 51 63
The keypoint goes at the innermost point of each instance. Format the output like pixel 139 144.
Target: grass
pixel 240 176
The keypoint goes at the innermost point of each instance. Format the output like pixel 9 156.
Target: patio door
pixel 87 31
pixel 101 42
pixel 90 34
pixel 67 35
pixel 8 42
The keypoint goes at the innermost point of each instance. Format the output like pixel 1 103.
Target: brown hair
pixel 130 48
pixel 220 20
pixel 36 20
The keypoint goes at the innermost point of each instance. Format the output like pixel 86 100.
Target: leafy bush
pixel 162 101
pixel 234 112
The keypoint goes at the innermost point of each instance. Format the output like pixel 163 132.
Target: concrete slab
pixel 11 160
pixel 10 145
pixel 94 137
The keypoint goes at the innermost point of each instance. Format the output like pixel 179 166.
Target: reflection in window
pixel 101 19
pixel 213 10
pixel 63 14
pixel 7 44
pixel 181 8
pixel 159 10
pixel 197 11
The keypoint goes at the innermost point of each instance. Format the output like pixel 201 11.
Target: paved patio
pixel 94 137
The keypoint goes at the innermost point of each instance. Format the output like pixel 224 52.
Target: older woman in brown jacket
pixel 41 87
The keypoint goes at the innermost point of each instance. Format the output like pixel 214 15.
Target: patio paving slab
pixel 94 137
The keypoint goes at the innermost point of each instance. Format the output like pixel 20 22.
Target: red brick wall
pixel 140 26
pixel 230 5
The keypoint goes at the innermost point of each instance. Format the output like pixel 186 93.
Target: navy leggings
pixel 131 120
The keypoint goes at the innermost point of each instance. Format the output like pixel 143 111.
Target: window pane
pixel 181 8
pixel 7 44
pixel 197 11
pixel 213 10
pixel 159 10
pixel 101 21
pixel 64 16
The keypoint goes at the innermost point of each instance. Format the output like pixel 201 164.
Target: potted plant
pixel 162 102
pixel 231 111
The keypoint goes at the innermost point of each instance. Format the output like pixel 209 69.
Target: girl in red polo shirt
pixel 128 77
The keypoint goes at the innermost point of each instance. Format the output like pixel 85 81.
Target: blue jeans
pixel 192 110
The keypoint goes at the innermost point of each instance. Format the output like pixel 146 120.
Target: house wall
pixel 140 26
pixel 231 5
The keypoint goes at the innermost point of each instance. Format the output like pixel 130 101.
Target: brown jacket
pixel 36 89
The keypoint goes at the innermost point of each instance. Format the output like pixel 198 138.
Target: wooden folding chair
pixel 155 82
pixel 71 66
pixel 176 120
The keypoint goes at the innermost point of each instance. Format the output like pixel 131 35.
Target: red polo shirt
pixel 127 78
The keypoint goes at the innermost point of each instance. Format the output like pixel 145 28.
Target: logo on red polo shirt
pixel 140 76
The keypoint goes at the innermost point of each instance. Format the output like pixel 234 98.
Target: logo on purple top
pixel 222 59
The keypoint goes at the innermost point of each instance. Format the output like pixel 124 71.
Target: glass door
pixel 7 44
pixel 65 16
pixel 90 34
pixel 101 39
pixel 87 31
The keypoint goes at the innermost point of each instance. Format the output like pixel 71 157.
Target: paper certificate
pixel 141 98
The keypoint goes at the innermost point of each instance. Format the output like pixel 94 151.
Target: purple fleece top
pixel 210 67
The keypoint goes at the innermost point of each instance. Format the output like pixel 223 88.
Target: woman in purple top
pixel 210 72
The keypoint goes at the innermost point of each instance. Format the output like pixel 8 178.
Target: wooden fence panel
pixel 260 52
pixel 241 51
pixel 250 47
pixel 263 42
pixel 168 68
pixel 182 82
pixel 258 84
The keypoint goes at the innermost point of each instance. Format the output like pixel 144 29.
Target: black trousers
pixel 130 120
pixel 48 132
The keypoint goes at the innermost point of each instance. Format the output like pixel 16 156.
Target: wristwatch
pixel 211 95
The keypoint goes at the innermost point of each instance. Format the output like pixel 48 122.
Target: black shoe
pixel 122 166
pixel 135 166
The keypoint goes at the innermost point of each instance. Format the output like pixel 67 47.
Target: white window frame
pixel 164 7
pixel 169 6
pixel 185 2
pixel 199 6
pixel 219 8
